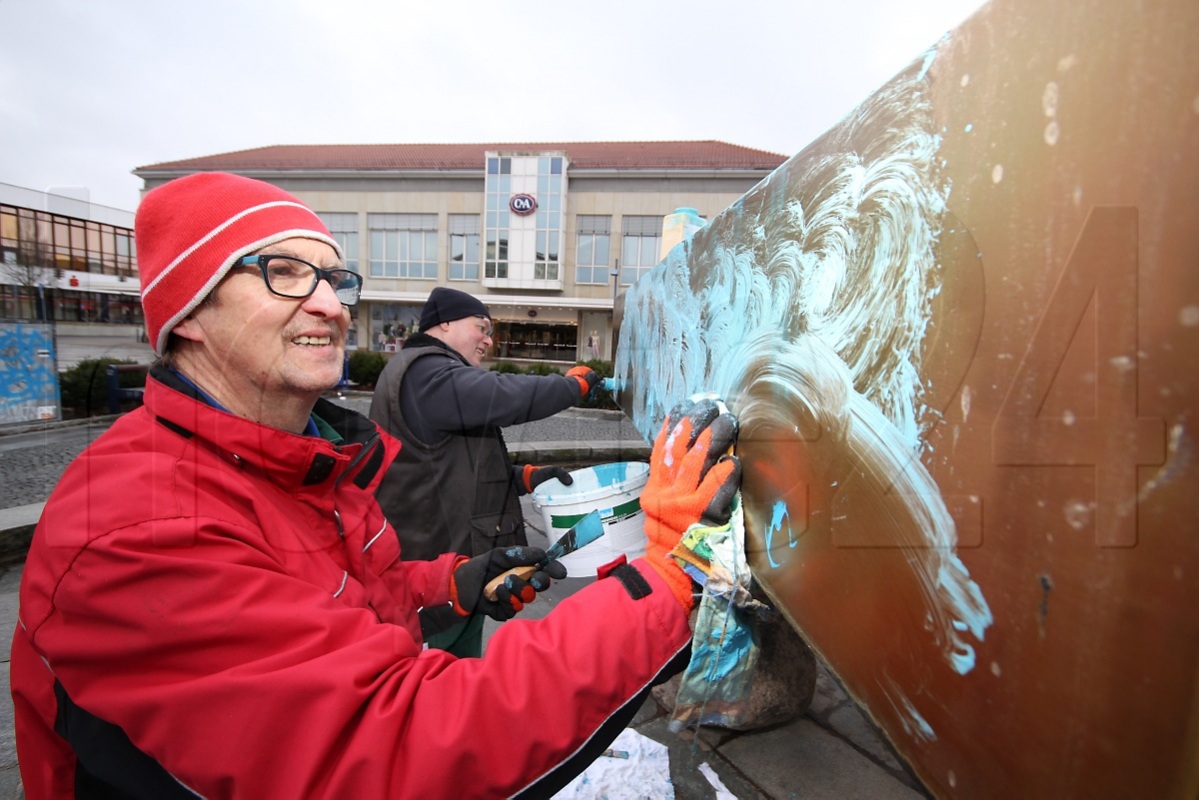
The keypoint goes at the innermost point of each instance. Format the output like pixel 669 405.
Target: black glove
pixel 533 476
pixel 471 577
pixel 587 378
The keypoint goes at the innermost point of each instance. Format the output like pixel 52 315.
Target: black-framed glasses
pixel 288 276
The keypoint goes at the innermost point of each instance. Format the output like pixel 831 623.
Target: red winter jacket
pixel 217 608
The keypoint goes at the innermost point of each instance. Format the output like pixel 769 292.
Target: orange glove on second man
pixel 587 378
pixel 692 479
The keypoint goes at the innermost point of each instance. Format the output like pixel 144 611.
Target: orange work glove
pixel 691 479
pixel 586 376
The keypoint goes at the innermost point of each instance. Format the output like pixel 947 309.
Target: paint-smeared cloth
pixel 715 687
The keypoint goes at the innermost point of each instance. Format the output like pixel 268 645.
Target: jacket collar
pixel 425 340
pixel 289 459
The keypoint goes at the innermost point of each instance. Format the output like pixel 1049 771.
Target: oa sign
pixel 522 204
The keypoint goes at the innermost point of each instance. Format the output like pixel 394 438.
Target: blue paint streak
pixel 611 474
pixel 810 298
pixel 723 650
pixel 929 57
pixel 778 514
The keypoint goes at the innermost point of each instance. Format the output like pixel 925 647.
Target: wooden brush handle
pixel 524 573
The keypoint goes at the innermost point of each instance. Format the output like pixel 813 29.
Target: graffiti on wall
pixel 28 373
pixel 959 332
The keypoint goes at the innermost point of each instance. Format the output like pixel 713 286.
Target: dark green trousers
pixel 464 641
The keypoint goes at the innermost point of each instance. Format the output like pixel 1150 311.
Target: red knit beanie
pixel 191 230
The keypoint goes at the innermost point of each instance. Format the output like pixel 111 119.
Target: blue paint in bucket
pixel 612 489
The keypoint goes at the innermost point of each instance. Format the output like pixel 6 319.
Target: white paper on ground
pixel 644 775
pixel 722 792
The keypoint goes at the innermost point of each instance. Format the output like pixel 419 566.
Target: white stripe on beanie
pixel 215 232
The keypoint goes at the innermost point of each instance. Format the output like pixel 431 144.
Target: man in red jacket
pixel 214 605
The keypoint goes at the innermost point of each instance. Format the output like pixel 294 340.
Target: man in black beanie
pixel 453 487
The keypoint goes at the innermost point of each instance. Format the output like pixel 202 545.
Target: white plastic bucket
pixel 612 489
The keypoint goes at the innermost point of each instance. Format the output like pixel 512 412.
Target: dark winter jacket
pixel 453 487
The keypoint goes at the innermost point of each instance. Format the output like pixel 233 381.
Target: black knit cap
pixel 447 305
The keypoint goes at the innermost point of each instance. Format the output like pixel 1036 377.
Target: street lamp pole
pixel 615 273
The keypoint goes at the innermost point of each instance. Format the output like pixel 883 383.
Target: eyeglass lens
pixel 294 278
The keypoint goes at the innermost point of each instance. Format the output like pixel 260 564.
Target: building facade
pixel 545 234
pixel 63 259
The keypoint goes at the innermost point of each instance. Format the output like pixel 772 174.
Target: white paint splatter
pixel 1068 417
pixel 1123 363
pixel 1049 99
pixel 1076 196
pixel 1078 514
pixel 967 396
pixel 997 173
pixel 914 724
pixel 965 80
pixel 1188 316
pixel 996 670
pixel 1179 452
pixel 1052 133
pixel 1066 63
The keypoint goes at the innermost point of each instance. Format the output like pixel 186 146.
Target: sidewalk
pixel 832 751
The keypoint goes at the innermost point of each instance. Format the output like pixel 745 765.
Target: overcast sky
pixel 91 89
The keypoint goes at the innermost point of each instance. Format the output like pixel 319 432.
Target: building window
pixel 550 190
pixel 499 186
pixel 344 228
pixel 125 265
pixel 641 238
pixel 403 245
pixel 464 247
pixel 592 249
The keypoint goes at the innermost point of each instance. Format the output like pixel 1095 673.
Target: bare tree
pixel 34 264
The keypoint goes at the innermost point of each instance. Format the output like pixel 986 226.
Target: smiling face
pixel 470 336
pixel 262 356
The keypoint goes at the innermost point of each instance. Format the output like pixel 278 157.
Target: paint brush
pixel 581 534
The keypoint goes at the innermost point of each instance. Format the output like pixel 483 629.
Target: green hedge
pixel 365 366
pixel 83 388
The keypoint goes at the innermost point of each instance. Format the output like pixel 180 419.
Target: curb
pixel 16 530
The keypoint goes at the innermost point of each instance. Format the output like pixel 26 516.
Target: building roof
pixel 583 155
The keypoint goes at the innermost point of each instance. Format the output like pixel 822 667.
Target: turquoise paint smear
pixel 778 514
pixel 914 724
pixel 611 474
pixel 806 306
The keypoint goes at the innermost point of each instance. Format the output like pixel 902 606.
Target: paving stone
pixel 828 694
pixel 851 724
pixel 803 760
pixel 687 753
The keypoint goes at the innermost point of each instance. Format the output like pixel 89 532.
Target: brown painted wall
pixel 961 331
